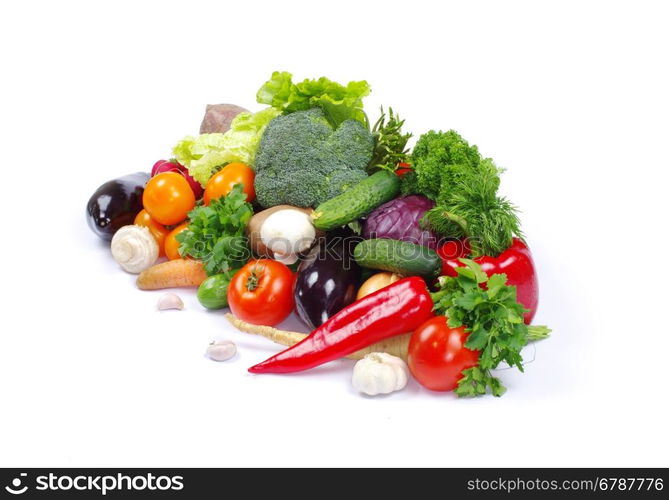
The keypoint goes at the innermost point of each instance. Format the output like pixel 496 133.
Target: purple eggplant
pixel 327 280
pixel 116 204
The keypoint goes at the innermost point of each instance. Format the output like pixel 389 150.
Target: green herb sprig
pixel 492 316
pixel 215 233
pixel 389 142
pixel 472 209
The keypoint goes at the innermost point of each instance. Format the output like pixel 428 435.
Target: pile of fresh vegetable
pixel 406 260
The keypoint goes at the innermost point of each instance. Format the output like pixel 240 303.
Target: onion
pixel 399 219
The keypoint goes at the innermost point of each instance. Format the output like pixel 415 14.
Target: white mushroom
pixel 170 301
pixel 379 373
pixel 221 350
pixel 134 248
pixel 287 233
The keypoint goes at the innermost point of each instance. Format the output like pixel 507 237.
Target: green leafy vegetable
pixel 492 316
pixel 389 143
pixel 439 159
pixel 338 102
pixel 204 153
pixel 215 233
pixel 471 208
pixel 464 186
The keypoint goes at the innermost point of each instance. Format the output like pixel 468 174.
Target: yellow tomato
pixel 168 198
pixel 171 243
pixel 222 182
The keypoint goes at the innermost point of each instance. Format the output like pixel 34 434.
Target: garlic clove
pixel 221 350
pixel 170 301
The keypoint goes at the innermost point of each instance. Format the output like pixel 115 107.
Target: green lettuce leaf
pixel 201 155
pixel 338 102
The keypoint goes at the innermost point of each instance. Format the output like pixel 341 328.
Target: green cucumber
pixel 400 257
pixel 357 202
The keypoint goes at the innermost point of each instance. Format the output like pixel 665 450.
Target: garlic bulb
pixel 134 248
pixel 379 373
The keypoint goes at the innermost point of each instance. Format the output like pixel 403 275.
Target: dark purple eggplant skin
pixel 116 204
pixel 327 281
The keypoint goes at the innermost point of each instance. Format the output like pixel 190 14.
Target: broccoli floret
pixel 303 161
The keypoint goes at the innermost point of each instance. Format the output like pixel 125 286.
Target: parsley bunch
pixel 215 233
pixel 492 316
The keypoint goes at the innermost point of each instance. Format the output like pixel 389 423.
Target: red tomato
pixel 168 198
pixel 262 292
pixel 223 181
pixel 158 231
pixel 437 354
pixel 171 243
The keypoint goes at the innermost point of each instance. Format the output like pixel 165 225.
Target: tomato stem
pixel 253 281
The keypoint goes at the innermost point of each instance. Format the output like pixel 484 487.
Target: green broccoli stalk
pixel 303 161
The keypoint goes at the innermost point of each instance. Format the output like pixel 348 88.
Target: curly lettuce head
pixel 338 102
pixel 201 155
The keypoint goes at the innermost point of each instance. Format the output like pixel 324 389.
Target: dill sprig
pixel 470 208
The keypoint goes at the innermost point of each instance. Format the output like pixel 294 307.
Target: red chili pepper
pixel 516 262
pixel 403 169
pixel 398 308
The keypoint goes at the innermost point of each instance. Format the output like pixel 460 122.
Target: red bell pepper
pixel 516 262
pixel 398 308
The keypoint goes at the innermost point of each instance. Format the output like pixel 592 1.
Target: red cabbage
pixel 399 219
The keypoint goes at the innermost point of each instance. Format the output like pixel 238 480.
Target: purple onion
pixel 399 219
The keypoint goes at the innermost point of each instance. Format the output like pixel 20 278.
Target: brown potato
pixel 217 117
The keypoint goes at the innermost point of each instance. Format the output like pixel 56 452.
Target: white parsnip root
pixel 396 346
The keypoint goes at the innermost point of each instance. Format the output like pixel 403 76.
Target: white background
pixel 570 97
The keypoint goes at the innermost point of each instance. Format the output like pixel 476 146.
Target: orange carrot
pixel 171 274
